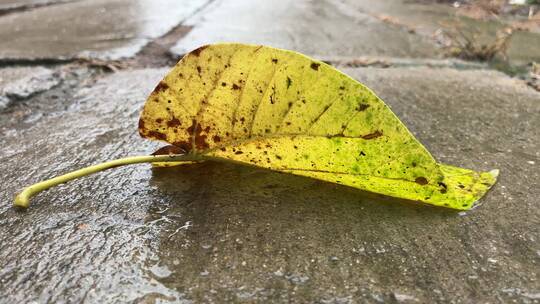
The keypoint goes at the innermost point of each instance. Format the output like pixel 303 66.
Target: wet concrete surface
pixel 215 233
pixel 371 28
pixel 427 19
pixel 98 28
pixel 220 233
pixel 101 252
pixel 19 83
pixel 7 6
pixel 318 28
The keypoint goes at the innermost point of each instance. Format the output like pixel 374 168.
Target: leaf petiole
pixel 23 198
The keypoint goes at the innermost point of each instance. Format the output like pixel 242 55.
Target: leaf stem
pixel 23 198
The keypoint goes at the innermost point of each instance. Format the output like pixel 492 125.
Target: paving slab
pixel 387 28
pixel 429 18
pixel 92 28
pixel 317 28
pixel 223 233
pixel 19 83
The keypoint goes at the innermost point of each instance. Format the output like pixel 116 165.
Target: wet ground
pixel 218 233
pixel 109 29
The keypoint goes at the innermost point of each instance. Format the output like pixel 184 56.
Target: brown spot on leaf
pixel 157 135
pixel 223 84
pixel 200 139
pixel 162 86
pixel 272 99
pixel 362 107
pixel 373 135
pixel 175 122
pixel 191 129
pixel 238 152
pixel 235 86
pixel 421 180
pixel 443 186
pixel 200 142
pixel 274 60
pixel 315 66
pixel 159 120
pixel 184 145
pixel 141 125
pixel 197 51
pixel 216 138
pixel 199 70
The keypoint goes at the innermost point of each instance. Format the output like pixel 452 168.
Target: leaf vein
pixel 233 118
pixel 202 106
pixel 256 110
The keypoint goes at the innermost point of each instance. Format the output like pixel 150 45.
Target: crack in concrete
pixel 156 53
pixel 28 7
pixel 9 62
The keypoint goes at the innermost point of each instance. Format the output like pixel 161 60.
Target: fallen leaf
pixel 283 111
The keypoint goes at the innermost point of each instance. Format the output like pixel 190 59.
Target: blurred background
pixel 503 33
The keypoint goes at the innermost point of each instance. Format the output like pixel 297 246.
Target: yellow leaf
pixel 284 111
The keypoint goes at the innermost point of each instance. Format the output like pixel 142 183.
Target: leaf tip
pixel 494 173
